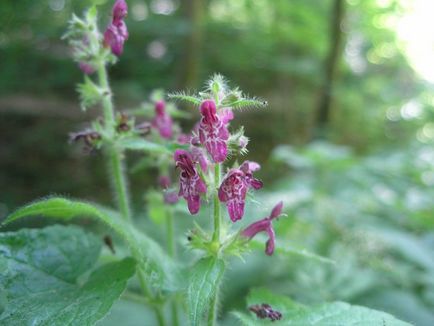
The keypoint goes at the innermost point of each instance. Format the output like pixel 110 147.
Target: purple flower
pixel 86 68
pixel 191 185
pixel 162 121
pixel 199 156
pixel 213 132
pixel 171 197
pixel 164 181
pixel 233 189
pixel 116 33
pixel 265 225
pixel 120 10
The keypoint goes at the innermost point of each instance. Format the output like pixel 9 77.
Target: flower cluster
pixel 116 32
pixel 210 145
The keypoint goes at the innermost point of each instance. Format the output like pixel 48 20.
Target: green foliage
pixel 336 313
pixel 160 270
pixel 52 263
pixel 140 144
pixel 90 93
pixel 204 282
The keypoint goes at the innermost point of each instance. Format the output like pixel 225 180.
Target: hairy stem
pixel 119 180
pixel 148 294
pixel 212 315
pixel 217 212
pixel 171 248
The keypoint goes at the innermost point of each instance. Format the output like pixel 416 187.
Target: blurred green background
pixel 347 138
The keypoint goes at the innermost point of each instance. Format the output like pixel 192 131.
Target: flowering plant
pixel 51 276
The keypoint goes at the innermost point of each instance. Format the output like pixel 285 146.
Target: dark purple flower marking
pixel 265 225
pixel 213 132
pixel 116 33
pixel 234 187
pixel 191 185
pixel 162 121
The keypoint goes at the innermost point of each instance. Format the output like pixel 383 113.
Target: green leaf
pixel 289 250
pixel 160 269
pixel 181 96
pixel 245 103
pixel 156 206
pixel 43 277
pixel 140 144
pixel 335 313
pixel 205 278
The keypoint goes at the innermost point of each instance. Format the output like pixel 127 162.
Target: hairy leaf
pixel 160 269
pixel 41 272
pixel 335 313
pixel 205 278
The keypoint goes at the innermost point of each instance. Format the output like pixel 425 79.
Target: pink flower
pixel 199 156
pixel 164 181
pixel 86 68
pixel 191 185
pixel 171 197
pixel 116 33
pixel 265 225
pixel 162 121
pixel 213 132
pixel 234 187
pixel 120 10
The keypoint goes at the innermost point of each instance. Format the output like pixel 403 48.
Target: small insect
pixel 109 243
pixel 264 310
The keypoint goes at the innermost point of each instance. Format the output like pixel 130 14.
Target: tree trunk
pixel 193 11
pixel 331 66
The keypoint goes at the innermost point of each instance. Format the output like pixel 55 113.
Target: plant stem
pixel 212 315
pixel 119 181
pixel 147 292
pixel 217 212
pixel 171 248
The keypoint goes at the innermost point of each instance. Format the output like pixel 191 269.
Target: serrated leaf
pixel 160 269
pixel 205 278
pixel 335 313
pixel 40 279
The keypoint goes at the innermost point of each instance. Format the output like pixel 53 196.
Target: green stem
pixel 120 182
pixel 119 179
pixel 212 316
pixel 171 248
pixel 217 212
pixel 148 294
